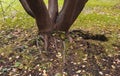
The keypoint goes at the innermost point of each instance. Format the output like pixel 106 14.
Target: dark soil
pixel 77 54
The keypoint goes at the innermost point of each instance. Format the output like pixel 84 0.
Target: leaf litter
pixel 79 53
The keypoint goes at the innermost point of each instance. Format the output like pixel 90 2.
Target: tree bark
pixel 26 7
pixel 42 17
pixel 49 19
pixel 70 11
pixel 53 9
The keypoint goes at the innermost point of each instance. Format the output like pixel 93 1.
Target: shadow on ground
pixel 23 54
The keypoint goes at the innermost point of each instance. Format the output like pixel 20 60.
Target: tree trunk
pixel 53 9
pixel 70 11
pixel 50 19
pixel 26 7
pixel 41 14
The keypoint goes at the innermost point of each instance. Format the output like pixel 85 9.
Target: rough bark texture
pixel 50 19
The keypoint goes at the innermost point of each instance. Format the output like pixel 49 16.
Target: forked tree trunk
pixel 50 19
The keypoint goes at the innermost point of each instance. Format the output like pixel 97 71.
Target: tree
pixel 50 19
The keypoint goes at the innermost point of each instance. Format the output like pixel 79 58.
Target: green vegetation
pixel 18 30
pixel 103 17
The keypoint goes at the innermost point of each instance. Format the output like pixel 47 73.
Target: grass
pixel 98 17
pixel 96 12
pixel 12 13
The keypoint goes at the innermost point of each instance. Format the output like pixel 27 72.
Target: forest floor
pixel 92 50
pixel 80 53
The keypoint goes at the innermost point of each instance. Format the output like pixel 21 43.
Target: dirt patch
pixel 73 55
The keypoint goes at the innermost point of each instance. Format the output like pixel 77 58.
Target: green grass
pixel 102 3
pixel 96 12
pixel 99 12
pixel 98 17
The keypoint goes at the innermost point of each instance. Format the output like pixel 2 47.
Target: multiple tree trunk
pixel 50 19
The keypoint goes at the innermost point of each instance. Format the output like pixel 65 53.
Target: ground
pixel 91 50
pixel 80 53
